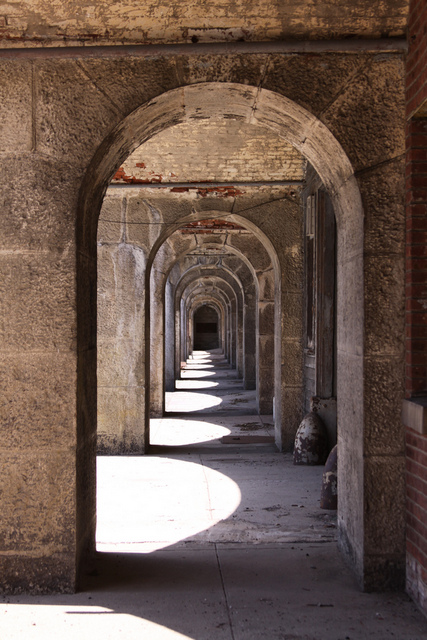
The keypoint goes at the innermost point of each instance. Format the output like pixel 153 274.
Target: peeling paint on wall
pixel 50 22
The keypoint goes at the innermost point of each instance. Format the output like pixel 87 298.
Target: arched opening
pixel 206 329
pixel 315 142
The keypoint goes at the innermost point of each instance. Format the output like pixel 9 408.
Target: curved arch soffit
pixel 212 304
pixel 215 100
pixel 192 293
pixel 263 240
pixel 219 268
pixel 206 304
pixel 214 293
pixel 195 273
pixel 225 292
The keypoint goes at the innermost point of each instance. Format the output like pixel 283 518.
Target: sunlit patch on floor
pixel 146 504
pixel 175 432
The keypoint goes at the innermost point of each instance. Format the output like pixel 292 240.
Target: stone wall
pixel 67 127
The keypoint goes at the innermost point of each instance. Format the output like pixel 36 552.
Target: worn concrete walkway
pixel 213 536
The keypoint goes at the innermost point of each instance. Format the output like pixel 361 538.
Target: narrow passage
pixel 210 538
pixel 215 535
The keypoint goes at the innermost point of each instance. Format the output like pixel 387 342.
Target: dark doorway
pixel 206 335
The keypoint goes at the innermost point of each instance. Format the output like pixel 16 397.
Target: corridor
pixel 214 535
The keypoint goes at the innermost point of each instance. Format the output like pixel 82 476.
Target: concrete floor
pixel 213 536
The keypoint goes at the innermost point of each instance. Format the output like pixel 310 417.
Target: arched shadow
pixel 290 585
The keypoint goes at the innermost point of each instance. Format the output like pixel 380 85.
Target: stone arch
pixel 196 303
pixel 314 140
pixel 209 305
pixel 223 288
pixel 230 277
pixel 191 274
pixel 246 292
pixel 258 266
pixel 271 341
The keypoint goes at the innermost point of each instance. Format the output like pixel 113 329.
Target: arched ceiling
pixel 232 151
pixel 213 151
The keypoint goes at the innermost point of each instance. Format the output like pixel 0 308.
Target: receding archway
pixel 251 266
pixel 317 144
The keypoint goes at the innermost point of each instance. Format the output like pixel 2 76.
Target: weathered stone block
pixel 181 244
pixel 384 392
pixel 266 318
pixel 50 573
pixel 266 285
pixel 111 227
pixel 140 212
pixel 292 363
pixel 383 197
pixel 277 197
pixel 37 293
pixel 243 273
pixel 121 291
pixel 384 492
pixel 130 82
pixel 368 117
pixel 39 215
pixel 209 202
pixel 291 414
pixel 266 394
pixel 72 115
pixel 16 131
pixel 266 351
pixel 384 573
pixel 239 68
pixel 282 224
pixel 291 319
pixel 252 249
pixel 37 501
pixel 121 421
pixel 384 304
pixel 38 410
pixel 292 268
pixel 120 362
pixel 325 76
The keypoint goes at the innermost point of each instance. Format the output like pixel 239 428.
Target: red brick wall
pixel 416 295
pixel 416 257
pixel 416 75
pixel 416 527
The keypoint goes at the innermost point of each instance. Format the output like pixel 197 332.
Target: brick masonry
pixel 213 152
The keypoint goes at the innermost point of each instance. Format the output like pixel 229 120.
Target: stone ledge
pixel 414 414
